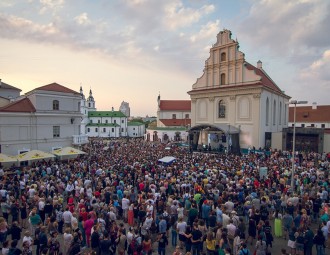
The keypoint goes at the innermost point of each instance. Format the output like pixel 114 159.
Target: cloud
pixel 159 32
pixel 285 24
pixel 319 69
pixel 82 19
pixel 177 15
pixel 16 27
pixel 211 29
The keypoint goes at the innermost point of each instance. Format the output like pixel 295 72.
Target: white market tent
pixel 167 160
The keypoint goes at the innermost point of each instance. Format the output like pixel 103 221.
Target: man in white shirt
pixel 225 219
pixel 112 214
pixel 67 216
pixel 230 206
pixel 181 228
pixel 231 232
pixel 124 205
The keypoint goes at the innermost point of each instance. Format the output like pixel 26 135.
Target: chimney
pixel 314 106
pixel 112 108
pixel 259 64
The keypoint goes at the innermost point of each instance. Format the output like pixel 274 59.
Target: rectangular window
pixel 56 131
pixel 302 125
pixel 91 121
pixel 112 130
pixel 122 129
pixel 133 128
pixel 56 105
pixel 98 121
pixel 96 130
pixel 173 116
pixel 106 121
pixel 88 130
pixel 322 125
pixel 115 121
pixel 122 121
pixel 104 130
pixel 313 125
pixel 187 116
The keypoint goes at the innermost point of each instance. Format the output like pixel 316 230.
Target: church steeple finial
pixel 90 98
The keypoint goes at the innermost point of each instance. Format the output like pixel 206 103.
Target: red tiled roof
pixel 175 122
pixel 57 88
pixel 23 105
pixel 7 86
pixel 265 79
pixel 307 114
pixel 175 105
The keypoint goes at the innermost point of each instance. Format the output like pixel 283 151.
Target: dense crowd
pixel 119 199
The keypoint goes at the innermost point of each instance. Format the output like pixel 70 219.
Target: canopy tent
pixel 167 160
pixel 33 155
pixel 7 159
pixel 67 151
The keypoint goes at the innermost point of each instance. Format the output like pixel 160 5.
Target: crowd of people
pixel 119 199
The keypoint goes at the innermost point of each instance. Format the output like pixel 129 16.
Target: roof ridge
pixel 11 106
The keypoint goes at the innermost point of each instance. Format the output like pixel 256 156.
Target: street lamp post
pixel 295 102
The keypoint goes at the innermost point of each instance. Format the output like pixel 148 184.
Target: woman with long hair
pixel 261 246
pixel 146 245
pixel 210 243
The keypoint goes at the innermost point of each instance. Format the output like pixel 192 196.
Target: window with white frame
pixel 56 131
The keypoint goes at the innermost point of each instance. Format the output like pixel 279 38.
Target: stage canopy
pixel 167 160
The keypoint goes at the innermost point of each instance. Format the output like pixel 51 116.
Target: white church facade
pixel 107 124
pixel 236 99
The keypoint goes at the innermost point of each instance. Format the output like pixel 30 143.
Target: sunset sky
pixel 130 50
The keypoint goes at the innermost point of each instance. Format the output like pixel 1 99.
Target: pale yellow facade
pixel 233 93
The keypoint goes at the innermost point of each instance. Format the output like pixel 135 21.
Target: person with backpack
pixel 42 237
pixel 268 232
pixel 300 242
pixel 121 242
pixel 162 243
pixel 244 250
pixel 261 246
pixel 308 240
pixel 319 241
pixel 13 250
pixel 105 244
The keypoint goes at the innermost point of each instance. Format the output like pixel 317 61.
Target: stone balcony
pixel 80 139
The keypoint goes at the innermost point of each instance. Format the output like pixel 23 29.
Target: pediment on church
pixel 226 67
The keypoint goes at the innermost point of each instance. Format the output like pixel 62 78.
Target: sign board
pixel 263 172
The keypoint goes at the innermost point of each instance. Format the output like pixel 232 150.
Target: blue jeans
pixel 3 237
pixel 320 250
pixel 195 249
pixel 161 250
pixel 174 237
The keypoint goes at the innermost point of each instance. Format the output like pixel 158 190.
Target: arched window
pixel 280 114
pixel 56 105
pixel 222 79
pixel 222 109
pixel 267 112
pixel 274 113
pixel 223 56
